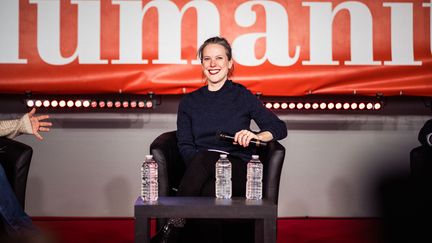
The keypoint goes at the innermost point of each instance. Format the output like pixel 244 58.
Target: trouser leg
pixel 13 216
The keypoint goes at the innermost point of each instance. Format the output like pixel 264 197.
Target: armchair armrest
pixel 272 156
pixel 165 152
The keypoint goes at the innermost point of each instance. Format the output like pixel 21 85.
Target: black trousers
pixel 199 180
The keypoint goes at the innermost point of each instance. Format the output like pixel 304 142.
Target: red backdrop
pixel 281 48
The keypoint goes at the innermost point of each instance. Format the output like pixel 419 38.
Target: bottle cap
pixel 223 156
pixel 149 156
pixel 255 156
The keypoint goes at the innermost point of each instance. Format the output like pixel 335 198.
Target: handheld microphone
pixel 229 137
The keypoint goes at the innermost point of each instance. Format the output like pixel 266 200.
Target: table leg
pixel 259 230
pixel 270 230
pixel 142 230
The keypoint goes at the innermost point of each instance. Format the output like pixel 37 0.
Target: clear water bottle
pixel 223 177
pixel 254 178
pixel 149 179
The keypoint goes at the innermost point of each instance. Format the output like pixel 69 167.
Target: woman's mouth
pixel 213 71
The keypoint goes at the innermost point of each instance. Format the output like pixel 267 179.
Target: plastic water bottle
pixel 149 179
pixel 223 177
pixel 254 178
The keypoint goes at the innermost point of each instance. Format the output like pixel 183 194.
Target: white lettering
pixel 89 28
pixel 9 32
pixel 48 35
pixel 277 39
pixel 169 39
pixel 402 34
pixel 321 22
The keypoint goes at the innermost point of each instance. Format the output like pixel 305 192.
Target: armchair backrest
pixel 171 166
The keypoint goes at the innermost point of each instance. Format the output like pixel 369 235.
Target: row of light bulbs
pixel 323 105
pixel 84 103
pixel 149 104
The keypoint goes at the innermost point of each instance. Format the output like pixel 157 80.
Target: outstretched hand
pixel 37 124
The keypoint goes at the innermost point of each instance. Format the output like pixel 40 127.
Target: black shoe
pixel 168 234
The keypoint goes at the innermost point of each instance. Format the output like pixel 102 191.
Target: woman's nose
pixel 212 63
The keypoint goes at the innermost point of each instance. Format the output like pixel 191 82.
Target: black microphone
pixel 229 137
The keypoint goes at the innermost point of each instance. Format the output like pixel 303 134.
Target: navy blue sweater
pixel 203 113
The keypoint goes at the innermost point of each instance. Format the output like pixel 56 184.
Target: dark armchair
pixel 171 166
pixel 15 158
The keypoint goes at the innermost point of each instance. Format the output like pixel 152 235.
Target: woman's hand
pixel 37 124
pixel 243 137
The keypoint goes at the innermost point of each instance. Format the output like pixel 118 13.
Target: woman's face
pixel 215 64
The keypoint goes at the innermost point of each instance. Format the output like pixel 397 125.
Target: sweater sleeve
pixel 13 128
pixel 185 139
pixel 266 119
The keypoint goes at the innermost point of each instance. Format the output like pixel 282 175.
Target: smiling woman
pixel 221 105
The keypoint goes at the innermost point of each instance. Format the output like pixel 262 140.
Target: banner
pixel 280 48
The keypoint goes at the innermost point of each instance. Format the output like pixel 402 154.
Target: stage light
pixel 125 104
pixel 62 103
pixel 70 103
pixel 117 104
pixel 346 106
pixel 38 103
pixel 149 104
pixel 377 106
pixel 54 103
pixel 141 104
pixel 30 103
pixel 46 103
pixel 109 104
pixel 86 103
pixel 133 104
pixel 323 105
pixel 102 104
pixel 78 103
pixel 94 104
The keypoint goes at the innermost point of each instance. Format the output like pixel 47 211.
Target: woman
pixel 221 105
pixel 12 216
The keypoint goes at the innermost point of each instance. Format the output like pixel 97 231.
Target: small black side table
pixel 263 211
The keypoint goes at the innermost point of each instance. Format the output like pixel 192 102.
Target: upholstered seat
pixel 171 166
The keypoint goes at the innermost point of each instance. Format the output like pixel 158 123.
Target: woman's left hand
pixel 37 123
pixel 243 137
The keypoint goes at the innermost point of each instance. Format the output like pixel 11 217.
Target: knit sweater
pixel 13 128
pixel 204 113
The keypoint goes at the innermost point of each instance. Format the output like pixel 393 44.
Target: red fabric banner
pixel 280 48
